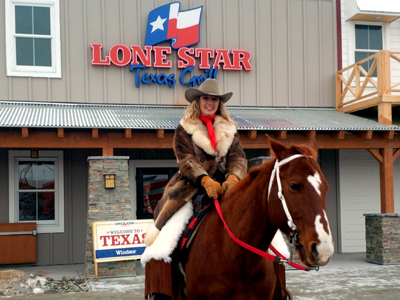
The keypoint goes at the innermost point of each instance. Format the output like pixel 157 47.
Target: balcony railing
pixel 357 88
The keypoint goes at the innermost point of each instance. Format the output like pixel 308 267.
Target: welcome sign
pixel 182 28
pixel 119 240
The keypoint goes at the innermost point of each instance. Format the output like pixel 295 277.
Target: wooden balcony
pixel 358 89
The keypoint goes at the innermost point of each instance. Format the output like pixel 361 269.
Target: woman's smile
pixel 209 105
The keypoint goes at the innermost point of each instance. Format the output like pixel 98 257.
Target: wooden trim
pixel 281 134
pixel 310 134
pixel 339 135
pixel 385 113
pixel 376 155
pixel 128 133
pixel 366 134
pixel 60 132
pixel 108 151
pixel 387 134
pixel 95 133
pixel 25 132
pixel 387 181
pixel 149 140
pixel 160 133
pixel 396 154
pixel 251 134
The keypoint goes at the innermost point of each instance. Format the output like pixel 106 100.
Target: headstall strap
pixel 275 171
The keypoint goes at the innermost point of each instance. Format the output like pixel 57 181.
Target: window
pixel 33 38
pixel 150 184
pixel 36 190
pixel 368 40
pixel 148 179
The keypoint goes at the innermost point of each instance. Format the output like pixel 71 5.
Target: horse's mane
pixel 309 153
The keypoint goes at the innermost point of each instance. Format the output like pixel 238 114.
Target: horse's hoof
pixel 151 235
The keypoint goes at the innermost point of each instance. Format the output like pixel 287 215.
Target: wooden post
pixel 339 90
pixel 384 87
pixel 385 113
pixel 386 178
pixel 108 151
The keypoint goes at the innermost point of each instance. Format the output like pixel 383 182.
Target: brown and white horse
pixel 218 268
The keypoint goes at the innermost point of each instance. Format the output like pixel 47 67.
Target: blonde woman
pixel 211 160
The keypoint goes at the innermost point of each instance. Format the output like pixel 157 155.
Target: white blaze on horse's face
pixel 325 247
pixel 315 181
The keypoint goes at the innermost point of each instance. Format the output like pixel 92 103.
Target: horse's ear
pixel 313 144
pixel 280 151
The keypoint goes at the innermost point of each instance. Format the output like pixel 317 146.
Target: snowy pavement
pixel 347 276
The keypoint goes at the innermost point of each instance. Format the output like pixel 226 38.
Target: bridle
pixel 293 235
pixel 275 171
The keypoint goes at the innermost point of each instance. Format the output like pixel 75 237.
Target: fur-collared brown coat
pixel 196 157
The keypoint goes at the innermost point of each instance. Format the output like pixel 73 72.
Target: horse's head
pixel 304 189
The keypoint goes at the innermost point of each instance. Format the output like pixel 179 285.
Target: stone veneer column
pixel 382 234
pixel 107 205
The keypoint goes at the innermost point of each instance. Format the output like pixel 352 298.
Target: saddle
pixel 202 206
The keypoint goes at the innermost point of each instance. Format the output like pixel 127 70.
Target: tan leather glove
pixel 213 188
pixel 229 182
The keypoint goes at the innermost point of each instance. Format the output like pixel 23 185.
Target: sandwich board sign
pixel 119 240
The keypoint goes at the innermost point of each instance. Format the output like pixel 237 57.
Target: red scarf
pixel 210 128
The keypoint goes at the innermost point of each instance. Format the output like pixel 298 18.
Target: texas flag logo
pixel 168 23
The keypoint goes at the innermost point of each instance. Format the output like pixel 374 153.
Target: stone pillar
pixel 107 205
pixel 382 235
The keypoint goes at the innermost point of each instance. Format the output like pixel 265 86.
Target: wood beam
pixel 25 132
pixel 376 155
pixel 396 154
pixel 281 134
pixel 60 132
pixel 366 134
pixel 148 140
pixel 386 180
pixel 95 133
pixel 251 134
pixel 387 134
pixel 339 135
pixel 108 151
pixel 128 133
pixel 310 134
pixel 160 133
pixel 385 113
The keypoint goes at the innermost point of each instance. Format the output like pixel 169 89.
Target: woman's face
pixel 209 105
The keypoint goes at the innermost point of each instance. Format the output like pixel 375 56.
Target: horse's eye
pixel 295 187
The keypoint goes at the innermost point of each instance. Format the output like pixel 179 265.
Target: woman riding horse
pixel 211 160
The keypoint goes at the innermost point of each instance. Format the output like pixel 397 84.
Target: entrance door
pixel 150 184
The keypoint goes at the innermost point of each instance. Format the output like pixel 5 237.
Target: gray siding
pixel 292 42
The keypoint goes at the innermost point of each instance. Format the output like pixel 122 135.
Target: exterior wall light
pixel 34 153
pixel 109 181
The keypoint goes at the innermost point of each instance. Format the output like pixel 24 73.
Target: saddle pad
pixel 191 231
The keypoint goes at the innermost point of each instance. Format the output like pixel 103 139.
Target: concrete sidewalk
pixel 347 276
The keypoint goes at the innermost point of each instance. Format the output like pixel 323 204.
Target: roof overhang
pixel 385 11
pixel 89 126
pixel 114 116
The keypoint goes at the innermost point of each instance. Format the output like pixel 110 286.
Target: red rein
pixel 255 250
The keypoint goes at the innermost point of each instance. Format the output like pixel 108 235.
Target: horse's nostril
pixel 315 251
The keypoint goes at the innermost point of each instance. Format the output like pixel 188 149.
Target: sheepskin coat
pixel 196 158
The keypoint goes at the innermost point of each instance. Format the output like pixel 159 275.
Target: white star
pixel 158 24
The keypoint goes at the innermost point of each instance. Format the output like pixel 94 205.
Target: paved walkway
pixel 347 276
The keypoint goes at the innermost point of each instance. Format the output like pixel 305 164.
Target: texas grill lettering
pixel 208 60
pixel 121 239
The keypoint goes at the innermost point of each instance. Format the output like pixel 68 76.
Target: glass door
pixel 150 184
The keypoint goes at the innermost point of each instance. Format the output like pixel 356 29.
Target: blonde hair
pixel 193 111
